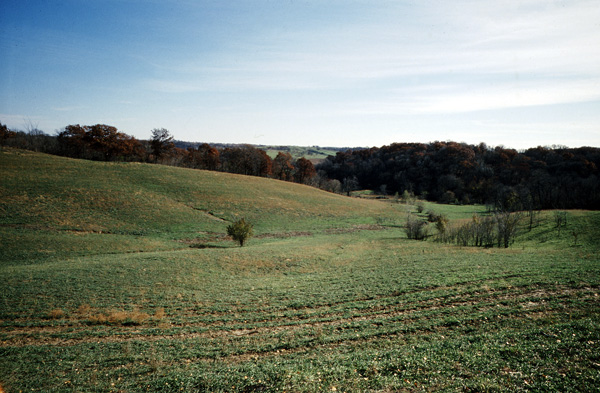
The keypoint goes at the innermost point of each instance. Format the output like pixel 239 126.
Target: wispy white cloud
pixel 535 43
pixel 445 99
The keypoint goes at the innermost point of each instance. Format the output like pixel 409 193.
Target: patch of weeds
pixel 56 313
pixel 92 316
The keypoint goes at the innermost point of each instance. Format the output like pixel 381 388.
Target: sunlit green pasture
pixel 141 291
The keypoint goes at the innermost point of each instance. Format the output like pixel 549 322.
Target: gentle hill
pixel 61 193
pixel 43 194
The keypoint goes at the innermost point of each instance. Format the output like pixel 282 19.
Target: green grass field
pixel 118 277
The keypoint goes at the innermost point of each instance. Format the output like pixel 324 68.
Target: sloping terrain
pixel 117 278
pixel 45 196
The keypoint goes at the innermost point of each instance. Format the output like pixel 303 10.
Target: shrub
pixel 432 216
pixel 240 231
pixel 408 197
pixel 448 198
pixel 416 229
pixel 441 223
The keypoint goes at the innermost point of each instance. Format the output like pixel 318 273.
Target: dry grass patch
pixel 57 313
pixel 90 315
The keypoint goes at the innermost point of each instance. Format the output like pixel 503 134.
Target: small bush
pixel 432 216
pixel 448 198
pixel 408 197
pixel 416 229
pixel 240 231
pixel 441 223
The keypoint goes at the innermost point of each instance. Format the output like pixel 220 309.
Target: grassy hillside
pixel 138 207
pixel 116 277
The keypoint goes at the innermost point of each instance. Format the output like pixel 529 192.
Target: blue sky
pixel 518 73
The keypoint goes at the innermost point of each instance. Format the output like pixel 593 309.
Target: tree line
pixel 450 172
pixel 446 172
pixel 105 143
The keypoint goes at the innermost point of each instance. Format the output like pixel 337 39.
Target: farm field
pixel 118 277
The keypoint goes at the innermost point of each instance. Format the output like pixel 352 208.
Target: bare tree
pixel 161 143
pixel 508 224
pixel 560 218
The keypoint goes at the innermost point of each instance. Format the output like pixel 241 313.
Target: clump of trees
pixel 499 229
pixel 204 157
pixel 98 142
pixel 246 160
pixel 240 231
pixel 5 133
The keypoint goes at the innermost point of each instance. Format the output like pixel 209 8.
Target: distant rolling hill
pixel 43 195
pixel 315 154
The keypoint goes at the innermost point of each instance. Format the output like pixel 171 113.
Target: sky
pixel 340 73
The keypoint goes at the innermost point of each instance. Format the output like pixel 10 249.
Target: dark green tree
pixel 240 231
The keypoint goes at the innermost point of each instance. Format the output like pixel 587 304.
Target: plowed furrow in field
pixel 359 317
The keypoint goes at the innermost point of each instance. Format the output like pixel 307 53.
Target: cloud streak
pixel 520 42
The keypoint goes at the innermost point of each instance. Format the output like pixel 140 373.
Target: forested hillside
pixel 449 172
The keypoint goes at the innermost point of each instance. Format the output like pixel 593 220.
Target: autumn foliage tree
pixel 305 170
pixel 204 157
pixel 5 133
pixel 99 142
pixel 246 160
pixel 283 167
